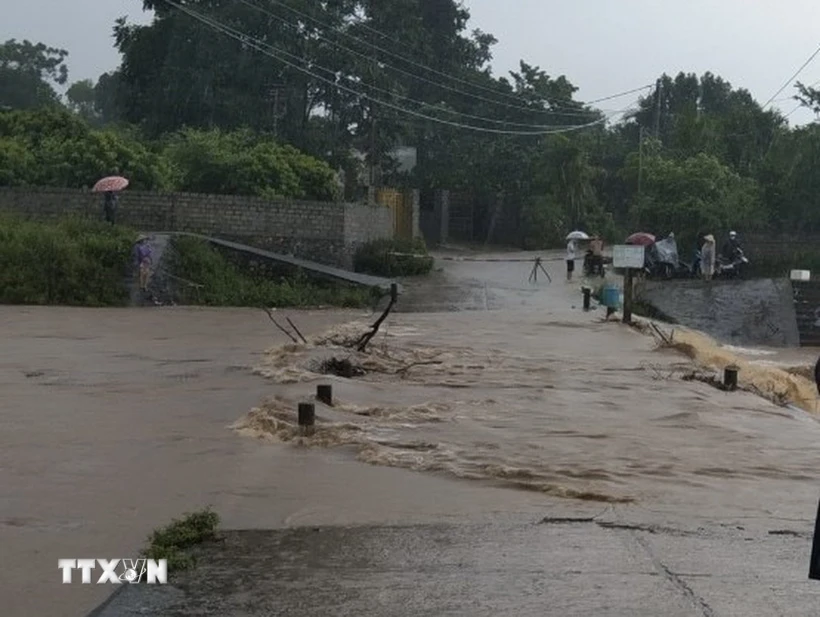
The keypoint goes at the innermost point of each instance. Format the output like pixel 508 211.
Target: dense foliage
pixel 79 263
pixel 393 258
pixel 224 284
pixel 693 153
pixel 53 147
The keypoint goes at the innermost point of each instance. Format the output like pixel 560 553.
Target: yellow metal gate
pixel 401 203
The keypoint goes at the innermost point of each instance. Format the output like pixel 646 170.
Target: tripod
pixel 535 268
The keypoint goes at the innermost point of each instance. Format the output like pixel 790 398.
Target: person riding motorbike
pixel 730 247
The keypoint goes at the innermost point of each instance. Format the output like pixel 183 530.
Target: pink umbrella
pixel 111 183
pixel 641 239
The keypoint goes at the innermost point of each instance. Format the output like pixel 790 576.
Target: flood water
pixel 115 421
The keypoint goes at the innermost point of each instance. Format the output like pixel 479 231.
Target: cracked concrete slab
pixel 579 567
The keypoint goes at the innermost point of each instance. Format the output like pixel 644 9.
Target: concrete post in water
pixel 587 294
pixel 628 296
pixel 394 292
pixel 307 418
pixel 324 393
pixel 730 377
pixel 814 565
pixel 817 375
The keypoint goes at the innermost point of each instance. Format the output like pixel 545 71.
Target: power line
pixel 788 115
pixel 336 75
pixel 259 46
pixel 793 77
pixel 421 65
pixel 370 58
pixel 587 114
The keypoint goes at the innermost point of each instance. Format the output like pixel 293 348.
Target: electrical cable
pixel 793 111
pixel 793 77
pixel 335 73
pixel 256 44
pixel 423 66
pixel 576 111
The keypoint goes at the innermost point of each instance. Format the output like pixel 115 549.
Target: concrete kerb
pixel 322 270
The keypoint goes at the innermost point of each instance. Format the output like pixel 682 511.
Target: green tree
pixel 81 97
pixel 242 163
pixel 693 194
pixel 28 74
pixel 63 150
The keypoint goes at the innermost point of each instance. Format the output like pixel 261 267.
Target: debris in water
pixel 341 368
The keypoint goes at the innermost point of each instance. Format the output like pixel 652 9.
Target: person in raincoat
pixel 707 257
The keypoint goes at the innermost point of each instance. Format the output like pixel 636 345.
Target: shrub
pixel 393 258
pixel 71 262
pixel 170 542
pixel 225 284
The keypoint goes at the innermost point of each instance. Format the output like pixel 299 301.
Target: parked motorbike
pixel 593 266
pixel 662 261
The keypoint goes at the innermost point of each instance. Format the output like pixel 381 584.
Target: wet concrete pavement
pixel 556 566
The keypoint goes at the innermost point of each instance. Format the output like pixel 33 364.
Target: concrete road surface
pixel 561 566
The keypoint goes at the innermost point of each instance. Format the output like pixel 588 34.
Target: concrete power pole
pixel 658 110
pixel 640 162
pixel 276 97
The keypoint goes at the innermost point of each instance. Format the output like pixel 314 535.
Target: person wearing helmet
pixel 730 247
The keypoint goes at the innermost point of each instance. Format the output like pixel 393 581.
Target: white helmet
pixel 732 234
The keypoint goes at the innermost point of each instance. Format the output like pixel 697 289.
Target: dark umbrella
pixel 641 239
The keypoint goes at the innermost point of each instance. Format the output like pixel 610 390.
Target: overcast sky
pixel 602 46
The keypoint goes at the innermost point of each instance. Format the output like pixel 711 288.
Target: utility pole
pixel 276 97
pixel 658 110
pixel 640 162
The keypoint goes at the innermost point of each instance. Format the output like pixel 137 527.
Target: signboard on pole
pixel 627 256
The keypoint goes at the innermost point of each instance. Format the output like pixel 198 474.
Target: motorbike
pixel 593 266
pixel 662 261
pixel 732 268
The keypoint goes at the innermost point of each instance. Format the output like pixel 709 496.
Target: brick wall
pixel 363 223
pixel 321 231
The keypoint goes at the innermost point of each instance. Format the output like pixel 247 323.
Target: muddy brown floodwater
pixel 114 421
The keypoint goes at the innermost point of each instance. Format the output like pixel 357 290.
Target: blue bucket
pixel 611 297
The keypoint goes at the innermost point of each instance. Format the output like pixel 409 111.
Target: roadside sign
pixel 628 256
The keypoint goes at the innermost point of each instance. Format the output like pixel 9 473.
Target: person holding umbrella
pixel 110 207
pixel 110 186
pixel 572 248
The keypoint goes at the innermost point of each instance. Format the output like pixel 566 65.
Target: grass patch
pixel 226 284
pixel 170 542
pixel 74 262
pixel 393 258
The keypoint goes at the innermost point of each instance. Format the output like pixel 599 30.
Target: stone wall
pixel 320 231
pixel 741 312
